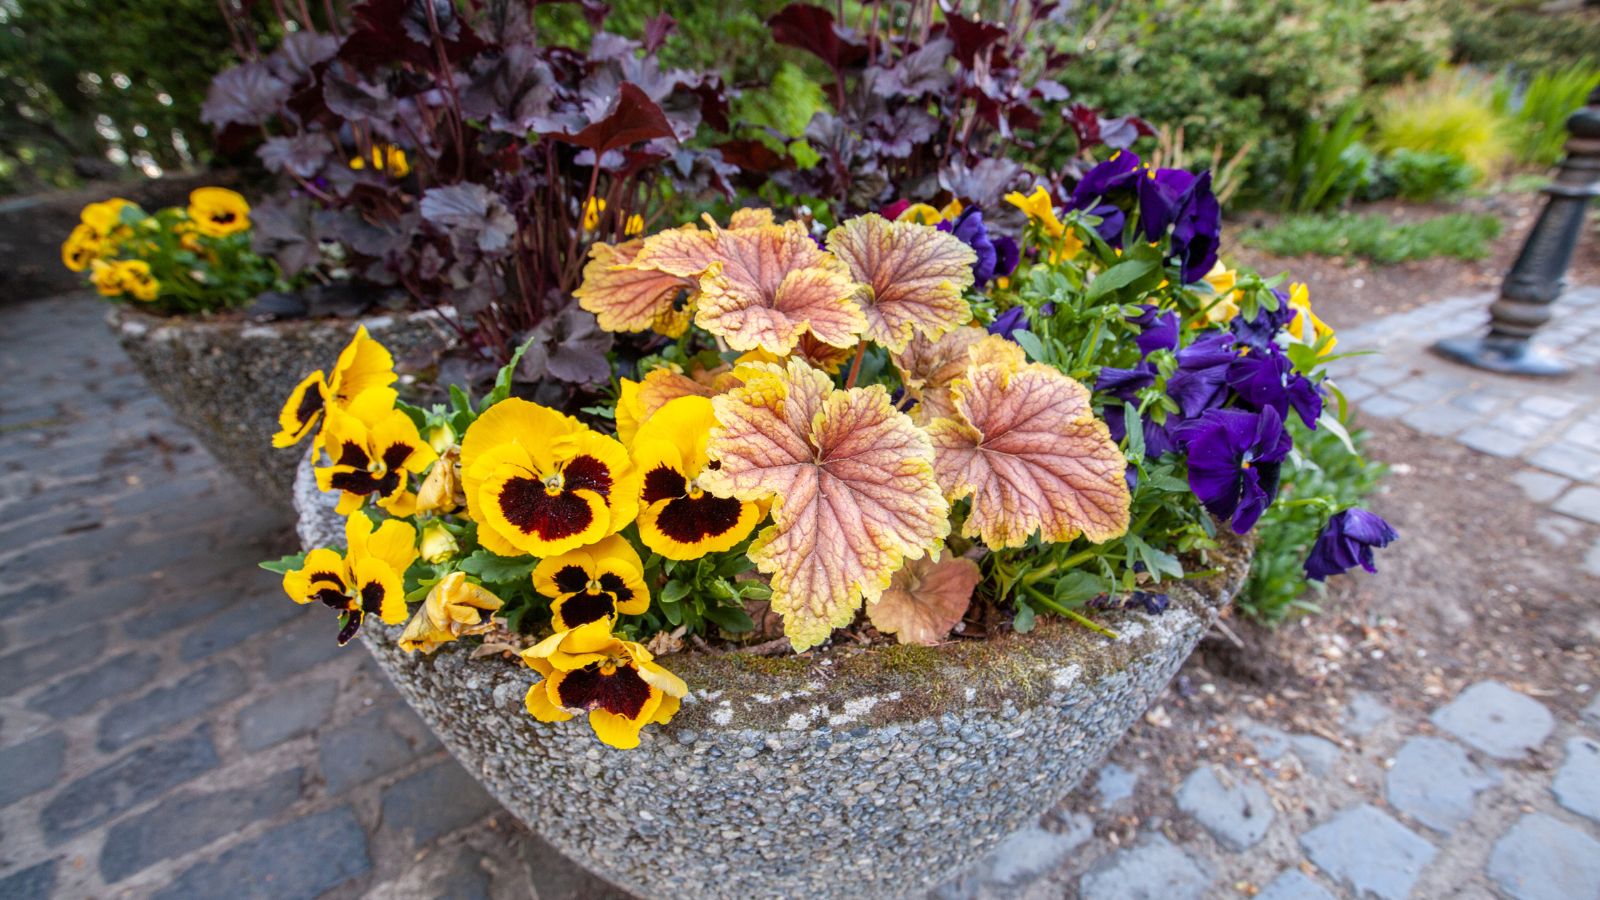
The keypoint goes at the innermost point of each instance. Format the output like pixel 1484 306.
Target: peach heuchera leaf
pixel 851 483
pixel 769 285
pixel 914 277
pixel 1025 445
pixel 928 368
pixel 627 297
pixel 926 599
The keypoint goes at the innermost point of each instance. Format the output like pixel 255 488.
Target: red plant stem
pixel 450 83
pixel 855 366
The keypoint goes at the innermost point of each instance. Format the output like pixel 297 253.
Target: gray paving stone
pixel 1294 884
pixel 305 643
pixel 176 610
pixel 1558 530
pixel 1364 714
pixel 1115 784
pixel 44 661
pixel 1542 858
pixel 1582 502
pixel 1540 487
pixel 252 617
pixel 1480 401
pixel 435 801
pixel 1496 720
pixel 180 824
pixel 1566 458
pixel 1435 783
pixel 1577 785
pixel 1523 424
pixel 289 713
pixel 1237 813
pixel 1152 869
pixel 1317 755
pixel 142 775
pixel 33 883
pixel 79 693
pixel 1369 852
pixel 1392 372
pixel 1592 711
pixel 25 598
pixel 1429 389
pixel 1383 406
pixel 322 851
pixel 167 706
pixel 1548 406
pixel 365 748
pixel 1356 389
pixel 1026 855
pixel 1584 436
pixel 31 766
pixel 1441 420
pixel 1493 441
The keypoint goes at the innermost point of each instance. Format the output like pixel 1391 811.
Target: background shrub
pixel 1525 34
pixel 1451 114
pixel 1538 106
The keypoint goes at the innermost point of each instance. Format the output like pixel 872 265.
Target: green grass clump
pixel 1374 237
pixel 1451 114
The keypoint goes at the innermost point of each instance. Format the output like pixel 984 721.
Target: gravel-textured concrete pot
pixel 225 378
pixel 875 773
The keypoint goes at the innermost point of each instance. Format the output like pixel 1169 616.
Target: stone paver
pixel 1577 785
pixel 1540 487
pixel 1581 502
pixel 1542 858
pixel 1365 714
pixel 1294 884
pixel 328 848
pixel 1115 784
pixel 1237 814
pixel 1152 869
pixel 1369 852
pixel 1435 783
pixel 31 766
pixel 286 714
pixel 1497 720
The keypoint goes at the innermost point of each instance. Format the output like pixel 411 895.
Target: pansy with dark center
pixel 1234 461
pixel 617 682
pixel 594 583
pixel 677 518
pixel 368 579
pixel 375 449
pixel 542 483
pixel 363 364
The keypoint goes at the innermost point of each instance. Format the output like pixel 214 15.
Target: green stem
pixel 1073 614
pixel 1071 562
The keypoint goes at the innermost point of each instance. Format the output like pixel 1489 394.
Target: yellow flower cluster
pixel 385 158
pixel 116 242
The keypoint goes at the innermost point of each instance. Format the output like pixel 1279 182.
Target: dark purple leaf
pixel 634 119
pixel 300 52
pixel 287 233
pixel 921 72
pixel 656 30
pixel 359 101
pixel 812 29
pixel 983 183
pixel 472 214
pixel 569 346
pixel 247 94
pixel 970 37
pixel 302 155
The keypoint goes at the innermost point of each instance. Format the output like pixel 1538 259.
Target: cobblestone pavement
pixel 170 726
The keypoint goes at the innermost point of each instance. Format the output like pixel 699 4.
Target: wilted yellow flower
pixel 386 158
pixel 455 608
pixel 218 212
pixel 81 248
pixel 1305 327
pixel 617 682
pixel 441 488
pixel 438 544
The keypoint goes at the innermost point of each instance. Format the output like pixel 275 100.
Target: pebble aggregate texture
pixel 225 378
pixel 770 783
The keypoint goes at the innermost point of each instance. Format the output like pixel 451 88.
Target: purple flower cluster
pixel 998 255
pixel 1170 202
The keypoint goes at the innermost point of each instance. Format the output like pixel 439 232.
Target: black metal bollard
pixel 1537 277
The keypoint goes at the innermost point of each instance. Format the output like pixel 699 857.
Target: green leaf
pixel 673 592
pixel 1119 276
pixel 493 569
pixel 460 400
pixel 732 619
pixel 1337 429
pixel 284 565
pixel 1030 344
pixel 502 381
pixel 1135 430
pixel 1025 619
pixel 674 613
pixel 1078 588
pixel 755 590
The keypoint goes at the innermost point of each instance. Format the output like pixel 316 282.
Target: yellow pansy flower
pixel 218 212
pixel 105 216
pixel 1305 327
pixel 677 518
pixel 635 225
pixel 1226 305
pixel 368 579
pixel 617 682
pixel 591 213
pixel 81 248
pixel 363 364
pixel 374 448
pixel 385 158
pixel 600 581
pixel 1039 208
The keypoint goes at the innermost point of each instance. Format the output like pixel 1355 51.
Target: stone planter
pixel 876 773
pixel 225 378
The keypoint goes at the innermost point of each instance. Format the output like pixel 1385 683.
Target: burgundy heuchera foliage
pixel 507 143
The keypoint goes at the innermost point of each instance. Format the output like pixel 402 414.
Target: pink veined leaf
pixel 624 296
pixel 851 484
pixel 914 277
pixel 1025 445
pixel 929 367
pixel 926 599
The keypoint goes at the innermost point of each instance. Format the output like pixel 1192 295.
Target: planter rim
pixel 133 322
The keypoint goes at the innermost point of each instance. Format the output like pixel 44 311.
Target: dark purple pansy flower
pixel 1268 378
pixel 1234 461
pixel 1261 332
pixel 1125 384
pixel 969 228
pixel 1158 329
pixel 1163 194
pixel 1197 231
pixel 1006 255
pixel 1346 542
pixel 1159 438
pixel 1201 381
pixel 1009 322
pixel 1116 178
pixel 1112 220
